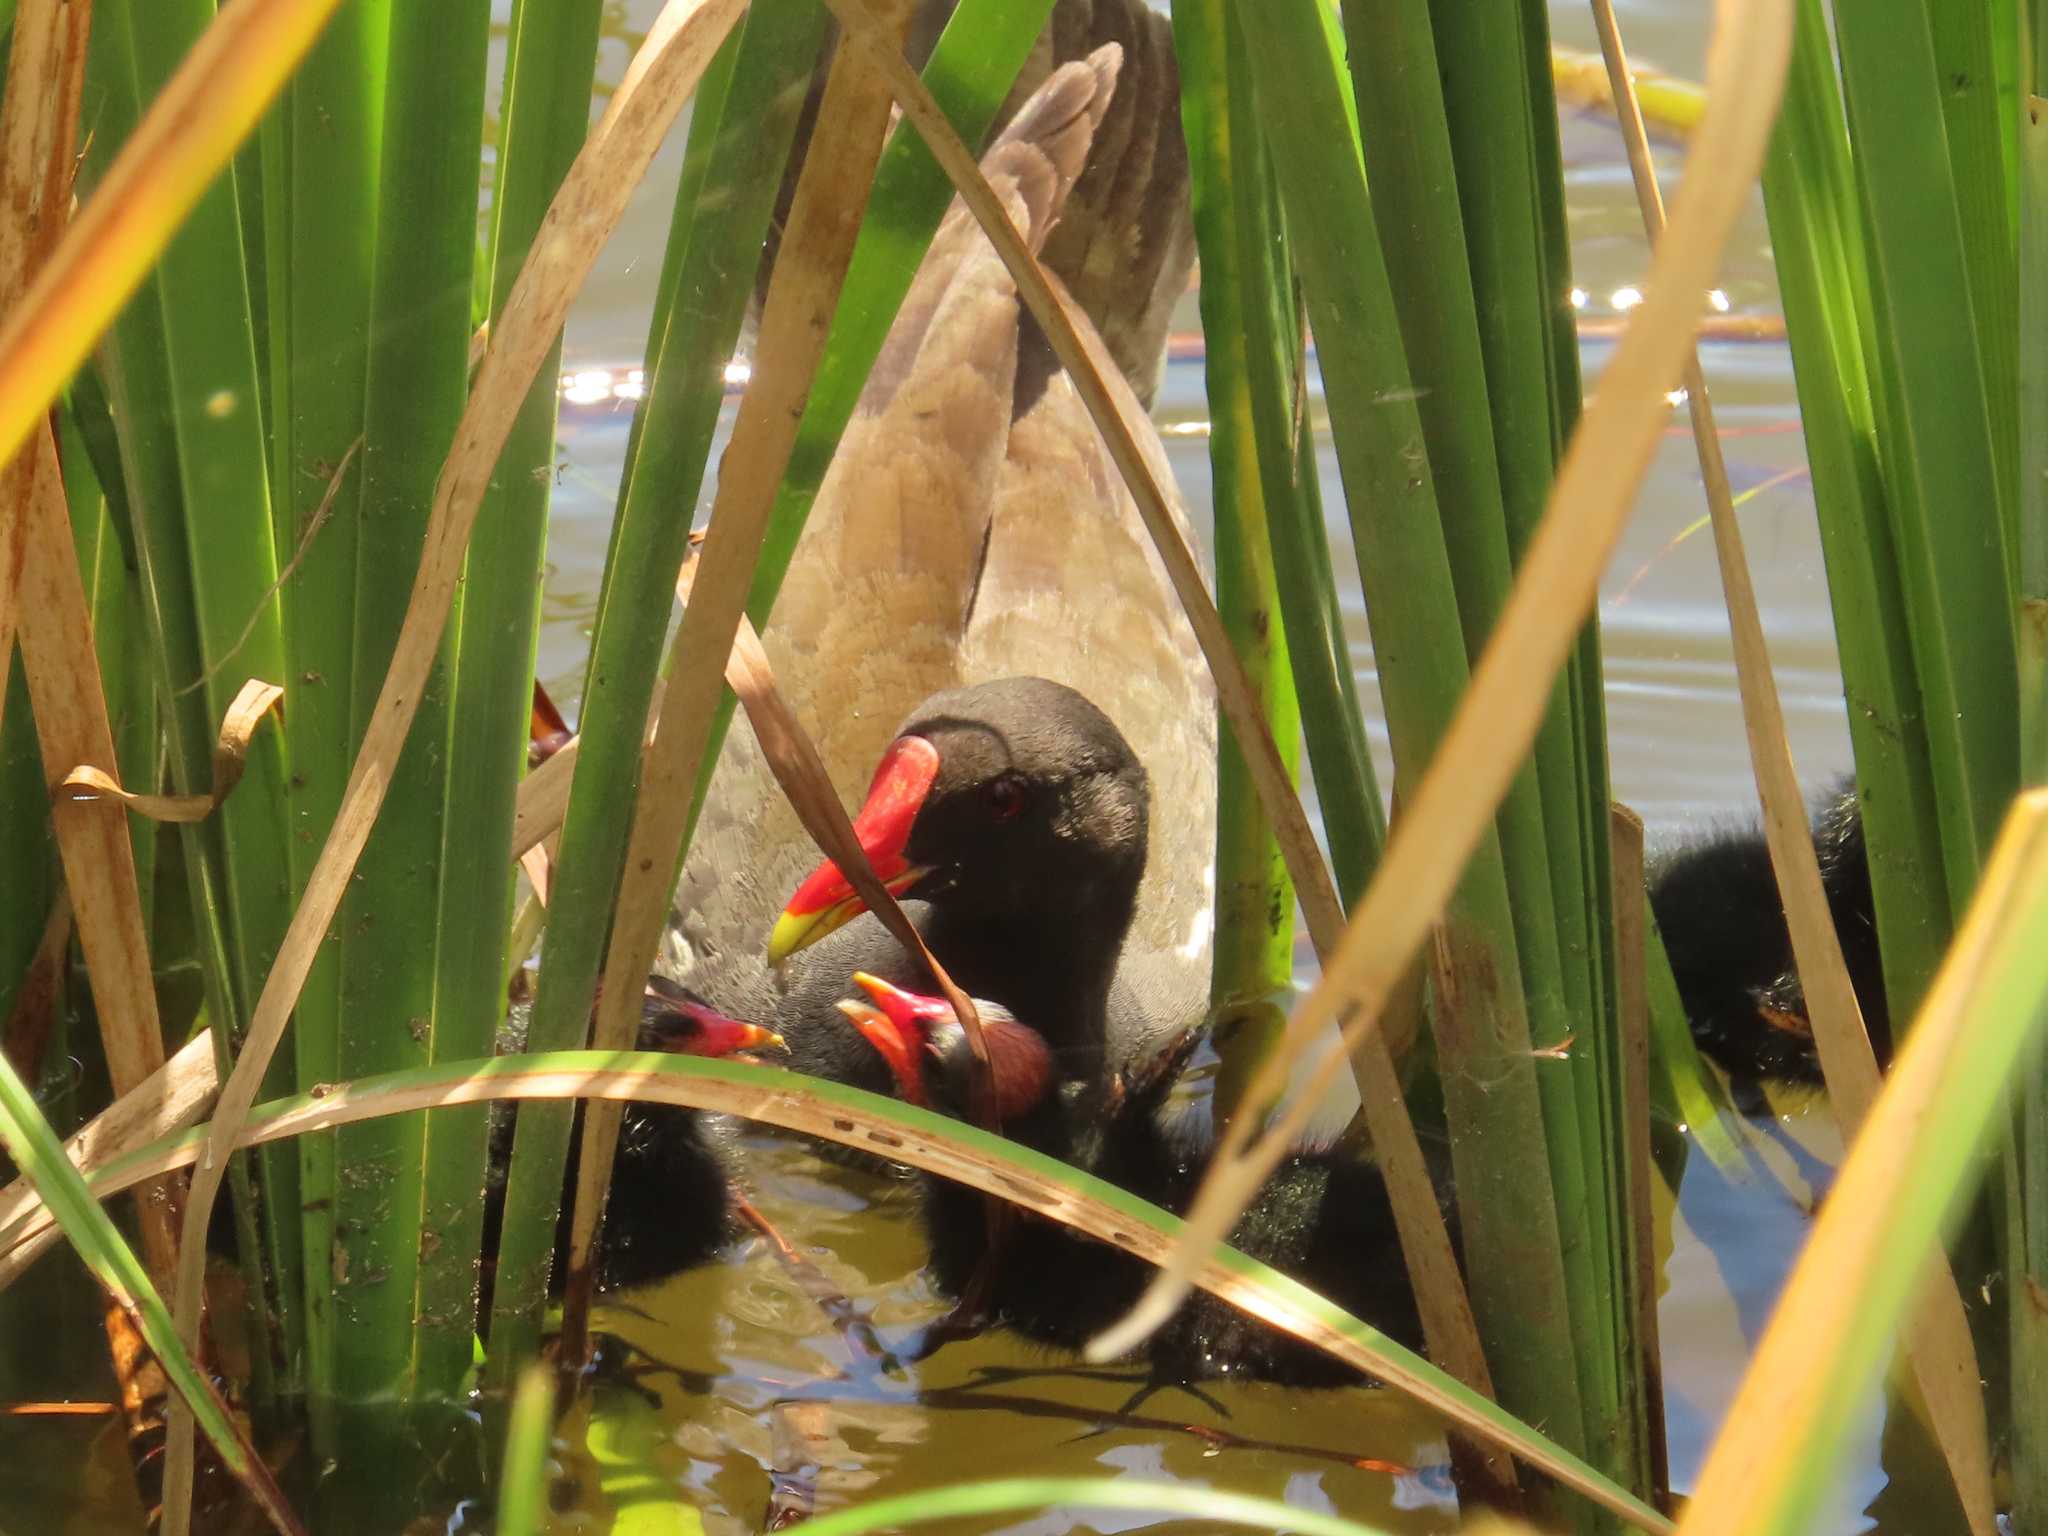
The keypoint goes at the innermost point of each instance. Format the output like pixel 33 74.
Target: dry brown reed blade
pixel 586 209
pixel 26 1034
pixel 817 245
pixel 251 705
pixel 1632 1009
pixel 1943 1358
pixel 1446 1311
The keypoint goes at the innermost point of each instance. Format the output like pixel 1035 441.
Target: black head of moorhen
pixel 1323 1218
pixel 1717 906
pixel 1015 813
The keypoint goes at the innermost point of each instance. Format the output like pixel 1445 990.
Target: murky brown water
pixel 757 1396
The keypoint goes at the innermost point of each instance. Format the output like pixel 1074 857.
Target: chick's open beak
pixel 826 901
pixel 890 1043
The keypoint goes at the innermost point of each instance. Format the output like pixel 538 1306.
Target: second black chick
pixel 1323 1218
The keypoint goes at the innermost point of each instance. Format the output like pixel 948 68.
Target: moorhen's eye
pixel 1004 797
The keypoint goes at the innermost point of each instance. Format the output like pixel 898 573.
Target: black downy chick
pixel 1717 906
pixel 1322 1218
pixel 667 1210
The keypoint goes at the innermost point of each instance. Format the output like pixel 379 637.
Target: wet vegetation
pixel 403 1032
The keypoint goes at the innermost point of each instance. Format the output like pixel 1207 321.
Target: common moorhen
pixel 972 526
pixel 1322 1217
pixel 1717 906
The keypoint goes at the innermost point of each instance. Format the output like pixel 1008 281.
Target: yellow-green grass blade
pixel 869 1122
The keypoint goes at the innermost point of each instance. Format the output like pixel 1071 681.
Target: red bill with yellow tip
pixel 691 1028
pixel 826 901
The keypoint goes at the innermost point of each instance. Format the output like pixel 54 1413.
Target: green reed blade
pixel 180 363
pixel 1810 199
pixel 403 905
pixel 2026 1173
pixel 320 159
pixel 1978 121
pixel 719 232
pixel 1250 380
pixel 543 122
pixel 1935 421
pixel 1405 134
pixel 1507 1196
pixel 1460 138
pixel 1332 719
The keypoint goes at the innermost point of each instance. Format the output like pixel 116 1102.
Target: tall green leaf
pixel 399 908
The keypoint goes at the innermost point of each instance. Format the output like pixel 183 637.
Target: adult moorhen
pixel 972 526
pixel 1322 1217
